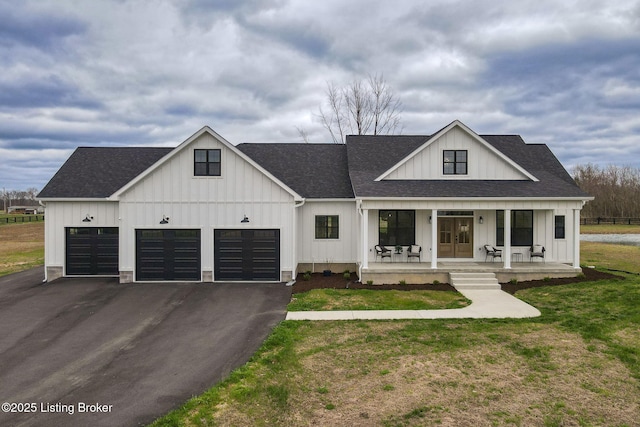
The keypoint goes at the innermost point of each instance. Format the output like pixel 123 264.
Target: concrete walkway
pixel 485 304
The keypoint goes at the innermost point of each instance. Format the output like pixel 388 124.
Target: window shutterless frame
pixel 454 162
pixel 327 227
pixel 207 162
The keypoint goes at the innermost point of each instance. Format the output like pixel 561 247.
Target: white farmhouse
pixel 211 211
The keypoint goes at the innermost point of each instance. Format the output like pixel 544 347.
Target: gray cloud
pixel 152 73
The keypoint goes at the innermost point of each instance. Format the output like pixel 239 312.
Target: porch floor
pixel 414 272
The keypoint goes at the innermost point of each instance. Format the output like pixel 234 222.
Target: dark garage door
pixel 167 255
pixel 92 251
pixel 247 255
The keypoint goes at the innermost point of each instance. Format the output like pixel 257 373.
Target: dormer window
pixel 454 162
pixel 206 163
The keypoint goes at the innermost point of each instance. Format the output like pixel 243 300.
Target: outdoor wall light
pixel 165 220
pixel 87 218
pixel 481 220
pixel 245 220
pixel 430 220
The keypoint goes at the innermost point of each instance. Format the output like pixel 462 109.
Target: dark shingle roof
pixel 371 156
pixel 311 170
pixel 327 170
pixel 98 172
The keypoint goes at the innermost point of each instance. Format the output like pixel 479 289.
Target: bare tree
pixel 616 190
pixel 363 107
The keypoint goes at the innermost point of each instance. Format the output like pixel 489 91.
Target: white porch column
pixel 365 238
pixel 434 238
pixel 506 253
pixel 576 238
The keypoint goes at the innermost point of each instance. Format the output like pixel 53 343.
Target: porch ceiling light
pixel 165 220
pixel 430 220
pixel 481 220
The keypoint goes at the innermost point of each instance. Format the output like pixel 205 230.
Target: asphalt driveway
pixel 80 352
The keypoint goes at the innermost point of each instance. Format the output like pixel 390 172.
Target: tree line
pixel 18 197
pixel 616 190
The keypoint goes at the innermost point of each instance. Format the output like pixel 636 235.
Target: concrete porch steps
pixel 474 281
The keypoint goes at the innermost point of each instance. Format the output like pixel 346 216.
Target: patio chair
pixel 536 251
pixel 383 253
pixel 414 252
pixel 492 252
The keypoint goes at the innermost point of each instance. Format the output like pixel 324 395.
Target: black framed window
pixel 397 228
pixel 521 228
pixel 454 162
pixel 327 227
pixel 559 227
pixel 207 163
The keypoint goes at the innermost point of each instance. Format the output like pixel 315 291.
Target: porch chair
pixel 492 252
pixel 536 251
pixel 383 253
pixel 414 252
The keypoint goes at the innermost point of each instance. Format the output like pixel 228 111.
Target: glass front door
pixel 455 237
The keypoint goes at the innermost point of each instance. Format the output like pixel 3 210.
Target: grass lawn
pixel 365 299
pixel 610 229
pixel 611 256
pixel 21 246
pixel 577 364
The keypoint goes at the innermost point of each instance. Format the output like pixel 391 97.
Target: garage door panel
pixel 92 251
pixel 247 255
pixel 168 255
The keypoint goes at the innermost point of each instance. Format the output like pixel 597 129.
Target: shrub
pixel 346 275
pixel 403 282
pixel 306 276
pixel 513 281
pixel 369 282
pixel 436 282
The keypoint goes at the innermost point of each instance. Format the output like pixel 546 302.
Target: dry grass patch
pixel 542 376
pixel 21 247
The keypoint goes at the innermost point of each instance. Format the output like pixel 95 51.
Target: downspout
pixel 294 266
pixel 45 243
pixel 359 210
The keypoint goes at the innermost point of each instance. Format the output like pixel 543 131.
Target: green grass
pixel 611 256
pixel 610 229
pixel 574 365
pixel 366 299
pixel 21 247
pixel 19 219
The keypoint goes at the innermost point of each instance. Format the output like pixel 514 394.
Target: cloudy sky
pixel 153 72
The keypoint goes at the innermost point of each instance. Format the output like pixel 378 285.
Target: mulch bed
pixel 337 281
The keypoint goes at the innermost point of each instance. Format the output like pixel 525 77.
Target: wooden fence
pixel 603 220
pixel 21 218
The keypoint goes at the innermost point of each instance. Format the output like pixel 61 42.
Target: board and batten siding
pixel 60 215
pixel 544 212
pixel 482 163
pixel 206 203
pixel 328 251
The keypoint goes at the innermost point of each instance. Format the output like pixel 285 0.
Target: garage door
pixel 167 255
pixel 247 255
pixel 92 251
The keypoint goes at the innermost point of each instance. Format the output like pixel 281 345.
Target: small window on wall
pixel 454 162
pixel 559 227
pixel 327 227
pixel 206 163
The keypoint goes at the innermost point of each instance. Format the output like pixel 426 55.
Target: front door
pixel 455 237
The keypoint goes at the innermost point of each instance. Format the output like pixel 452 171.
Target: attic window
pixel 206 163
pixel 454 162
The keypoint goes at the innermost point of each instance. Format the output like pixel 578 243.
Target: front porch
pixel 417 273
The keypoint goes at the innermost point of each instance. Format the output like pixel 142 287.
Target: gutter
pixel 44 205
